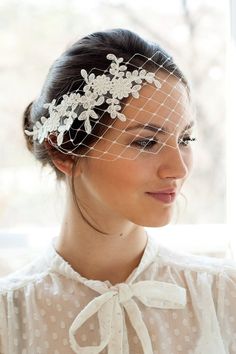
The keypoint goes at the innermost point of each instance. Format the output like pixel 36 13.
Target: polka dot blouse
pixel 171 303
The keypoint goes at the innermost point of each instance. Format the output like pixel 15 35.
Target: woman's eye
pixel 148 144
pixel 186 140
pixel 145 144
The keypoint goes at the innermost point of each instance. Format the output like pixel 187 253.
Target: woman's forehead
pixel 169 105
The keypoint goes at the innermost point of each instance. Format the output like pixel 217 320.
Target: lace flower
pixel 101 85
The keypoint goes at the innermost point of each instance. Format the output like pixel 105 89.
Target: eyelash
pixel 184 141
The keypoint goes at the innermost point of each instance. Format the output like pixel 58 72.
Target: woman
pixel 114 122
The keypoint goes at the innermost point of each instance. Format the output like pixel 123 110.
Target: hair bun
pixel 27 125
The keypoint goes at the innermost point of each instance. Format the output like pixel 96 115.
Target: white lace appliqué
pixel 119 84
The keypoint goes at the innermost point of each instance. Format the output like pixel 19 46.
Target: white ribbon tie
pixel 110 308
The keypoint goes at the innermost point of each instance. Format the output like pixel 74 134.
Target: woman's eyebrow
pixel 156 128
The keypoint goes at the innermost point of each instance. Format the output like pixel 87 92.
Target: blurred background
pixel 33 34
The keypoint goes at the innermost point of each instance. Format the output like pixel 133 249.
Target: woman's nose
pixel 173 164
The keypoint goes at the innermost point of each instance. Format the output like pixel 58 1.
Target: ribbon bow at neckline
pixel 110 307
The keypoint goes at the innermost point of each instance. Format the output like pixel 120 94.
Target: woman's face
pixel 118 182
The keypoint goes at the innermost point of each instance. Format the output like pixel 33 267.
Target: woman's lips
pixel 164 197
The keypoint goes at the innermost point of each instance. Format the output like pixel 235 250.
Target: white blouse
pixel 171 303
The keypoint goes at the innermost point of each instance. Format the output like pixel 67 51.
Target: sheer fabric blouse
pixel 171 303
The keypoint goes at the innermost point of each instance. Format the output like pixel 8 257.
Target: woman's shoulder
pixel 27 274
pixel 195 263
pixel 203 276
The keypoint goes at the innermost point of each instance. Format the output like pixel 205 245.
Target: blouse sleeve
pixel 226 305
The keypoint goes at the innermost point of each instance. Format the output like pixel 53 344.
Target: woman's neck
pixel 97 256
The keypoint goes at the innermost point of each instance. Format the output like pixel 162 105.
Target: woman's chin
pixel 158 224
pixel 157 221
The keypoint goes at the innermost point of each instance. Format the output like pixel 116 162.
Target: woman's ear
pixel 63 163
pixel 64 166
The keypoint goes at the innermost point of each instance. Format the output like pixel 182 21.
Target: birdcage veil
pixel 108 104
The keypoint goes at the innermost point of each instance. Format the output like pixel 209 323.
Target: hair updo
pixel 64 77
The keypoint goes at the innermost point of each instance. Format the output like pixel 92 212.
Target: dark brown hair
pixel 64 77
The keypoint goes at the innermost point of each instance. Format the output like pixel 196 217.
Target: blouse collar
pixel 59 265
